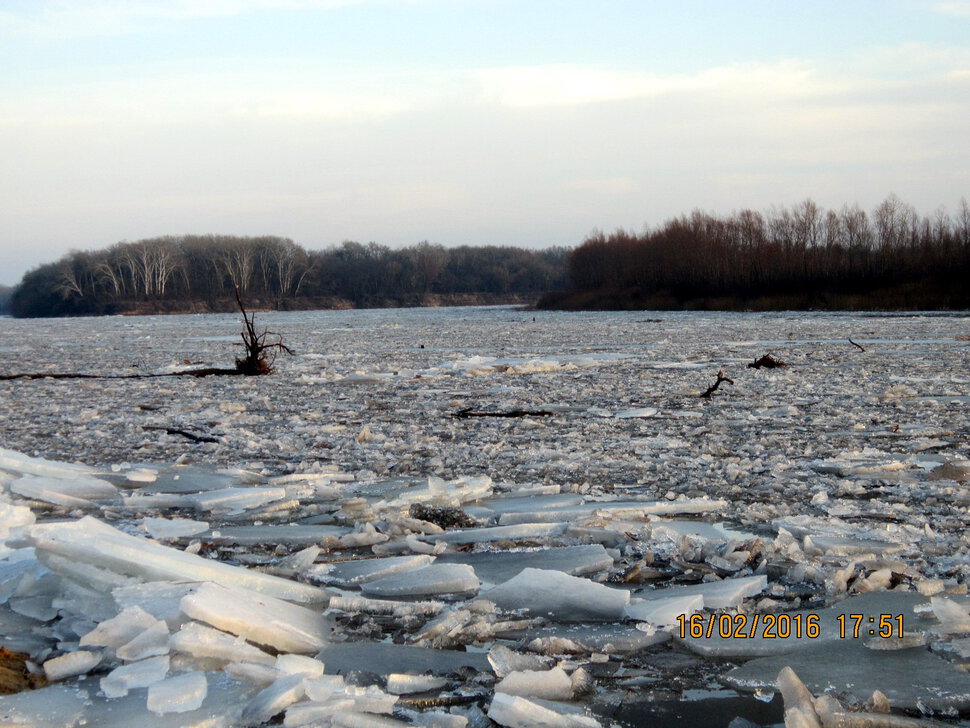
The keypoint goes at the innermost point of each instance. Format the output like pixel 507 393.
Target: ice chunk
pixel 505 661
pixel 78 491
pixel 119 630
pixel 205 642
pixel 150 643
pixel 173 527
pixel 227 501
pixel 513 711
pixel 551 684
pixel 161 599
pixel 404 683
pixel 89 541
pixel 259 618
pixel 292 535
pixel 274 699
pixel 716 594
pixel 360 571
pixel 559 596
pixel 178 694
pixel 954 618
pixel 79 662
pixel 518 532
pixel 495 567
pixel 135 675
pixel 664 612
pixel 433 579
pixel 299 665
pixel 588 638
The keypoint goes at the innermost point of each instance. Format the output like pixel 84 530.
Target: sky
pixel 465 122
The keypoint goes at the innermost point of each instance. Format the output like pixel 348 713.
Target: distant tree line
pixel 787 258
pixel 5 293
pixel 202 272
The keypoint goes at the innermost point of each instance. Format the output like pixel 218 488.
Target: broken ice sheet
pixel 427 581
pixel 558 596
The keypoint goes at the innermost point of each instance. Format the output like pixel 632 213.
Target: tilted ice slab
pixel 514 711
pixel 76 491
pixel 235 500
pixel 360 571
pixel 88 541
pixel 716 594
pixel 17 463
pixel 294 535
pixel 430 580
pixel 561 597
pixel 664 612
pixel 495 567
pixel 259 618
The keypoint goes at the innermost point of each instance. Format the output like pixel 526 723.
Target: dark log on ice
pixel 767 362
pixel 713 387
pixel 184 433
pixel 858 346
pixel 468 412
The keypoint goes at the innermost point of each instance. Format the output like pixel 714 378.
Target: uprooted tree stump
pixel 717 383
pixel 767 362
pixel 260 349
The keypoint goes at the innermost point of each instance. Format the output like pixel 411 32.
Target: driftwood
pixel 767 362
pixel 260 354
pixel 468 412
pixel 860 347
pixel 713 387
pixel 184 433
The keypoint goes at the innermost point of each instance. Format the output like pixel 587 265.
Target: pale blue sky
pixel 522 122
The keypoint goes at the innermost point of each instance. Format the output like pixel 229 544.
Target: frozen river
pixel 837 482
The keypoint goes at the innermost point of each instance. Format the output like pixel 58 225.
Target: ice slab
pixel 205 642
pixel 88 541
pixel 120 629
pixel 527 531
pixel 616 509
pixel 384 658
pixel 912 679
pixel 293 535
pixel 258 617
pixel 664 612
pixel 513 711
pixel 545 593
pixel 360 571
pixel 427 581
pixel 494 567
pixel 178 694
pixel 20 464
pixel 173 527
pixel 77 491
pixel 551 684
pixel 716 594
pixel 71 664
pixel 235 499
pixel 141 674
pixel 610 639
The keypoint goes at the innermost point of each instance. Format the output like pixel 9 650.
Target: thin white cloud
pixel 959 8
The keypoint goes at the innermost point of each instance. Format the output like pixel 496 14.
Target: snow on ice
pixel 347 553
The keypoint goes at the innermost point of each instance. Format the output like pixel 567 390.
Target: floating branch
pixel 767 362
pixel 184 433
pixel 468 412
pixel 858 346
pixel 713 387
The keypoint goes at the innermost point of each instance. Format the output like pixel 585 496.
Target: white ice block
pixel 559 596
pixel 77 491
pixel 236 500
pixel 205 642
pixel 716 594
pixel 178 694
pixel 119 681
pixel 150 643
pixel 88 541
pixel 79 662
pixel 259 618
pixel 664 612
pixel 360 571
pixel 551 684
pixel 274 699
pixel 119 630
pixel 433 579
pixel 405 684
pixel 173 527
pixel 513 711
